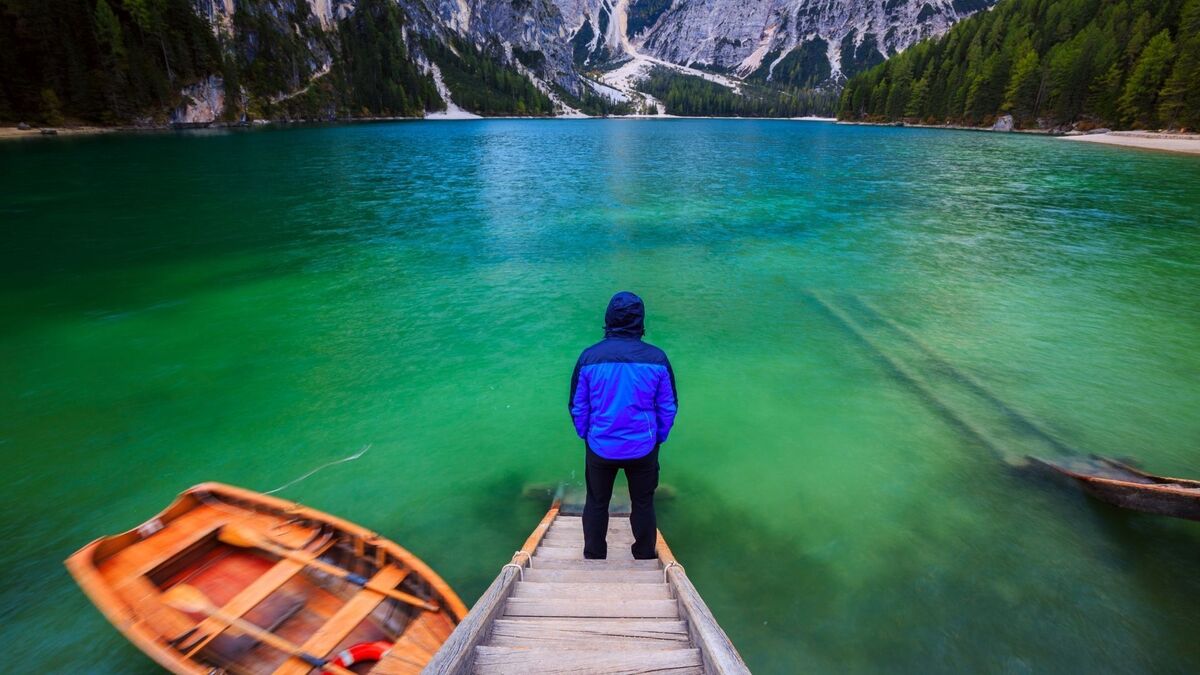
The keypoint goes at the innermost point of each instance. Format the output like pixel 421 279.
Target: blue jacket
pixel 623 399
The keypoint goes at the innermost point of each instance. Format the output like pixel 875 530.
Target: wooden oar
pixel 243 537
pixel 189 599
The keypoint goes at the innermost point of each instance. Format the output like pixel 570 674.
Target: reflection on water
pixel 247 306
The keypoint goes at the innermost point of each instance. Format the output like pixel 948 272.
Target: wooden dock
pixel 552 611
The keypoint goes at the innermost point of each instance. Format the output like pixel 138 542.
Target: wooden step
pixel 563 591
pixel 576 521
pixel 577 537
pixel 613 543
pixel 568 523
pixel 517 661
pixel 539 562
pixel 608 634
pixel 576 552
pixel 594 576
pixel 611 607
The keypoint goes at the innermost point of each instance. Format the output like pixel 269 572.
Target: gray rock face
pixel 204 102
pixel 1003 123
pixel 743 36
pixel 797 42
pixel 531 31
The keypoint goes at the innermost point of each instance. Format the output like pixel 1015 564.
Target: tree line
pixel 127 61
pixel 103 61
pixel 480 83
pixel 1048 63
pixel 692 95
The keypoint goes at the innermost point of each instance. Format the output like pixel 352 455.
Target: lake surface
pixel 246 306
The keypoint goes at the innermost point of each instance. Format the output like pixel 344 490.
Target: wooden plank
pixel 533 589
pixel 595 576
pixel 348 616
pixel 422 638
pixel 567 531
pixel 249 598
pixel 577 536
pixel 614 544
pixel 567 633
pixel 516 661
pixel 612 607
pixel 575 522
pixel 572 525
pixel 176 537
pixel 535 537
pixel 457 653
pixel 574 531
pixel 144 598
pixel 576 552
pixel 539 562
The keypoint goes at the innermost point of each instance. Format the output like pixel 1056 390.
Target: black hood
pixel 625 317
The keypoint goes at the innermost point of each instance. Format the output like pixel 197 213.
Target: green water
pixel 243 307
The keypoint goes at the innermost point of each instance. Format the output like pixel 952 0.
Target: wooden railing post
pixel 719 654
pixel 457 654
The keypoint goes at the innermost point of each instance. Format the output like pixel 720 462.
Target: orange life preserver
pixel 363 651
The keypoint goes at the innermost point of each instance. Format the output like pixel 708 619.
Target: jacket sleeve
pixel 666 404
pixel 580 402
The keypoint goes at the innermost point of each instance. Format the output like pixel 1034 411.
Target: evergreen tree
pixel 918 100
pixel 1179 100
pixel 1140 99
pixel 899 92
pixel 1024 86
pixel 693 95
pixel 1103 62
pixel 378 76
pixel 481 83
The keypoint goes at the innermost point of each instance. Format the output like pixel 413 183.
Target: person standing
pixel 623 403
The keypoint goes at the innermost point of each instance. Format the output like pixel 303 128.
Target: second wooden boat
pixel 227 580
pixel 1122 485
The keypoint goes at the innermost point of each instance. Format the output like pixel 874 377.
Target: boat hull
pixel 275 585
pixel 1129 488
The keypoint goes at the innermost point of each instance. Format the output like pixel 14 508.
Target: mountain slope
pixel 1050 64
pixel 196 61
pixel 741 37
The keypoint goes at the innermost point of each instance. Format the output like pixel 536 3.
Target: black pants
pixel 642 474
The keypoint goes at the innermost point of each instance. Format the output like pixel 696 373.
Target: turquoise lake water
pixel 246 306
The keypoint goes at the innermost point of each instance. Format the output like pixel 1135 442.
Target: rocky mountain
pixel 122 60
pixel 807 42
pixel 609 46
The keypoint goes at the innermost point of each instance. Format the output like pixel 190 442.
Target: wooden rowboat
pixel 288 577
pixel 1122 485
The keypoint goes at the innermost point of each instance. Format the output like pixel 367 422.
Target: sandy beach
pixel 1146 140
pixel 13 132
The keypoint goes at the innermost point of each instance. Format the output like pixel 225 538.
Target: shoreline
pixel 948 127
pixel 7 132
pixel 12 132
pixel 1187 144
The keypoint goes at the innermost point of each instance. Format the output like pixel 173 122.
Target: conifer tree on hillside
pixel 1179 100
pixel 1139 102
pixel 1116 63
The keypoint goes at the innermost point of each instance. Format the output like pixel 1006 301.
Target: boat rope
pixel 519 567
pixel 326 465
pixel 667 568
